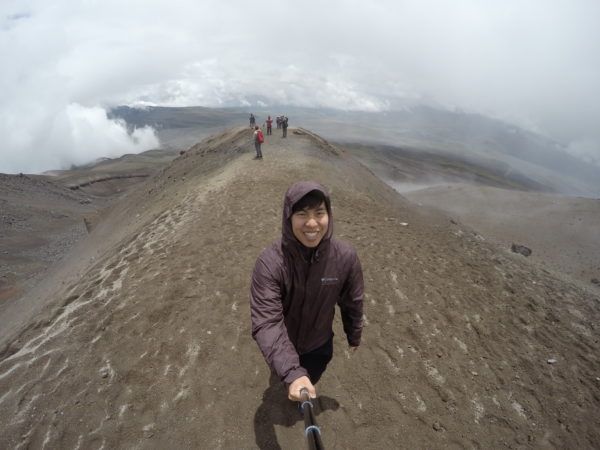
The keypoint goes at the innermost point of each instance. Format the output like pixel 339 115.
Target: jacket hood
pixel 292 196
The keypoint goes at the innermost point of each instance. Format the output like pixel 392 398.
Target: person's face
pixel 310 225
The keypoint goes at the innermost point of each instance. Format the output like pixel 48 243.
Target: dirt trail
pixel 151 347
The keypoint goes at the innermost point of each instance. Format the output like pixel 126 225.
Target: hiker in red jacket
pixel 258 140
pixel 269 123
pixel 296 283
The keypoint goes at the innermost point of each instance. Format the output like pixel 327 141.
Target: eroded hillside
pixel 465 345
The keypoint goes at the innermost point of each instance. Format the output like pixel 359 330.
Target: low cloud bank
pixel 74 135
pixel 529 63
pixel 586 150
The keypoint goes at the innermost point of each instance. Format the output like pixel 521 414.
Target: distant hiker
pixel 296 283
pixel 258 140
pixel 278 121
pixel 284 125
pixel 252 120
pixel 269 123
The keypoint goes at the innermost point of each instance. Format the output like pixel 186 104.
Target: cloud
pixel 533 63
pixel 75 135
pixel 585 149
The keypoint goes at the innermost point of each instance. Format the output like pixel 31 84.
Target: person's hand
pixel 297 385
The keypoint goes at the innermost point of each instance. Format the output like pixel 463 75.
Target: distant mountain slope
pixel 467 135
pixel 179 128
pixel 173 117
pixel 417 167
pixel 128 169
pixel 465 345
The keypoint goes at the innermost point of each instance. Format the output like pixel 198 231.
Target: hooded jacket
pixel 295 289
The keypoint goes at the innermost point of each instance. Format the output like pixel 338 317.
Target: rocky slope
pixel 38 220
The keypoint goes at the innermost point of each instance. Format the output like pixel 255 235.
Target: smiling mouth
pixel 311 234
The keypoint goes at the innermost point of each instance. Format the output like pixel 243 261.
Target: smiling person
pixel 296 283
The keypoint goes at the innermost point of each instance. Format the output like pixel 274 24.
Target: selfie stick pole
pixel 311 430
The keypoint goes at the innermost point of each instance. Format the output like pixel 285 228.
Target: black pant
pixel 315 362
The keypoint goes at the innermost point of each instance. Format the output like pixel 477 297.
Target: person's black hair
pixel 313 199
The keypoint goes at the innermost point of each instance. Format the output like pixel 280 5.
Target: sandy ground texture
pixel 563 232
pixel 466 345
pixel 500 204
pixel 39 220
pixel 43 216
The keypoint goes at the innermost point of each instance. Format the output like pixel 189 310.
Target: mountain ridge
pixel 150 345
pixel 467 135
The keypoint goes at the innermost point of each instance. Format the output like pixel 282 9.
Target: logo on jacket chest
pixel 326 281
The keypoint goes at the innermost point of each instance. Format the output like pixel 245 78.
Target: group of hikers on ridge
pixel 282 123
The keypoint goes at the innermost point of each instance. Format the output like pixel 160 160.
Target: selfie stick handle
pixel 311 430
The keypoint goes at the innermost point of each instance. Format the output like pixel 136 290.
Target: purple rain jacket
pixel 295 289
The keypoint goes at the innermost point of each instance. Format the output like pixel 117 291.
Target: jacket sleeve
pixel 268 327
pixel 351 302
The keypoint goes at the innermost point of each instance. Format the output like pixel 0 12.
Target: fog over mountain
pixel 65 65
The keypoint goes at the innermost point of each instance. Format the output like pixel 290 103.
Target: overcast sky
pixel 64 62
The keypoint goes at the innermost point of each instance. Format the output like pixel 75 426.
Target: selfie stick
pixel 311 430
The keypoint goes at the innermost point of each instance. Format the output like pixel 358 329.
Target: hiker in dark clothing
pixel 296 283
pixel 252 120
pixel 284 125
